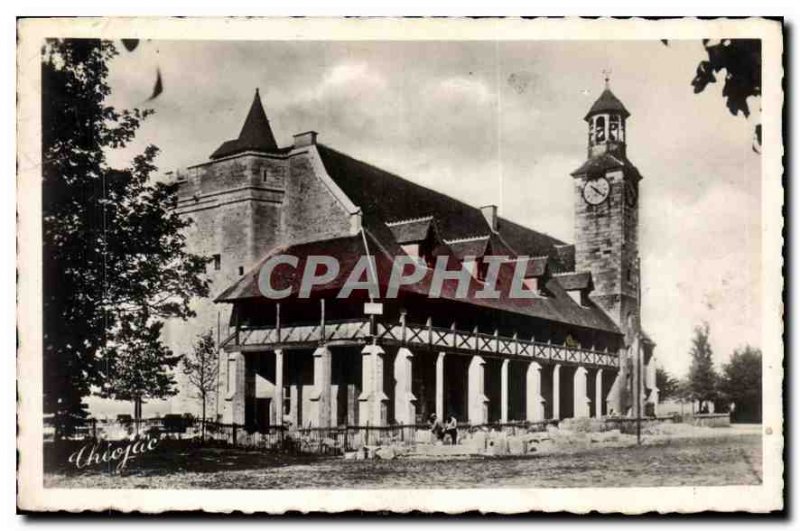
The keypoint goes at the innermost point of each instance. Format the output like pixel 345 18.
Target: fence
pixel 124 427
pixel 337 440
pixel 332 440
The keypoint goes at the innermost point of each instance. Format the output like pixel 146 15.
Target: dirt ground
pixel 731 458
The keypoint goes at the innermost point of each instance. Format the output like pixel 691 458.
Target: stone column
pixel 404 401
pixel 321 395
pixel 580 400
pixel 534 406
pixel 372 402
pixel 598 393
pixel 294 405
pixel 557 392
pixel 439 386
pixel 277 397
pixel 477 402
pixel 504 391
pixel 237 386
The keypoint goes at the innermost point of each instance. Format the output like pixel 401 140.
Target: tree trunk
pixel 203 421
pixel 137 414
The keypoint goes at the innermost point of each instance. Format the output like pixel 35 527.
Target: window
pixel 241 270
pixel 217 262
pixel 613 128
pixel 411 249
pixel 531 284
pixel 600 129
pixel 263 175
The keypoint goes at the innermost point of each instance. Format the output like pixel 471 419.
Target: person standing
pixel 437 429
pixel 451 429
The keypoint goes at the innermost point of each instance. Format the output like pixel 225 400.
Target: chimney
pixel 309 138
pixel 490 213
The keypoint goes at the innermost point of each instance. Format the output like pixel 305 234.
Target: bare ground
pixel 730 458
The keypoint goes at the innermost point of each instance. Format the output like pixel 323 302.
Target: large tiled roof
pixel 385 198
pixel 256 134
pixel 557 306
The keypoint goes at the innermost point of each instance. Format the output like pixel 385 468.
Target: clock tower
pixel 606 191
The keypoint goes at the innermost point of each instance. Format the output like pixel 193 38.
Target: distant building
pixel 568 352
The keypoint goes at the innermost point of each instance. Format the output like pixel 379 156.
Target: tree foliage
pixel 201 367
pixel 115 264
pixel 667 385
pixel 740 383
pixel 702 381
pixel 741 61
pixel 137 366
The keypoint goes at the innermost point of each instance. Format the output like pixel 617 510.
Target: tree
pixel 740 383
pixel 666 384
pixel 741 60
pixel 202 368
pixel 114 259
pixel 702 377
pixel 138 366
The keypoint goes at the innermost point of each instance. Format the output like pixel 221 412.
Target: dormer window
pixel 577 285
pixel 416 238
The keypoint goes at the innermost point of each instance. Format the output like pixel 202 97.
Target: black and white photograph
pixel 527 265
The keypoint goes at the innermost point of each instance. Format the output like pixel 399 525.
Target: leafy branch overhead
pixel 115 264
pixel 741 61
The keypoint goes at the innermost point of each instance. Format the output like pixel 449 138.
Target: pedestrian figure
pixel 451 429
pixel 437 429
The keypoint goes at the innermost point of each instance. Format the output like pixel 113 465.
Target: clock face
pixel 595 191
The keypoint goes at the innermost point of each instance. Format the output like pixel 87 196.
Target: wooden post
pixel 277 322
pixel 322 338
pixel 429 325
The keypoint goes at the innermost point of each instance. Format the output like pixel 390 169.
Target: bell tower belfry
pixel 606 196
pixel 606 190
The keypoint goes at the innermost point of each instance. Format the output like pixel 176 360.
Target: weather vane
pixel 607 75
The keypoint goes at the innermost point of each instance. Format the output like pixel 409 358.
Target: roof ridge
pixel 565 273
pixel 467 239
pixel 409 220
pixel 527 258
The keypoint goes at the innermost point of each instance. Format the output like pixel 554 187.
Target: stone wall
pixel 241 208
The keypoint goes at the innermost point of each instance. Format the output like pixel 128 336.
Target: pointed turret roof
pixel 256 134
pixel 607 102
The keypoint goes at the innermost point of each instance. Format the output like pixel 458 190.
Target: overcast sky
pixel 500 123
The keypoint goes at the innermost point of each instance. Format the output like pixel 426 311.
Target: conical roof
pixel 256 134
pixel 607 102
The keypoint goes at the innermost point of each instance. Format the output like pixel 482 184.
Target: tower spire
pixel 255 135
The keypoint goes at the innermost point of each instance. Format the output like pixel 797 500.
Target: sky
pixel 502 123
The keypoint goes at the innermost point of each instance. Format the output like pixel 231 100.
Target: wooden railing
pixel 361 331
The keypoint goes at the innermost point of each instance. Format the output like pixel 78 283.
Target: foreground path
pixel 730 459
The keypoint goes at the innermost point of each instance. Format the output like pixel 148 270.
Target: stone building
pixel 570 351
